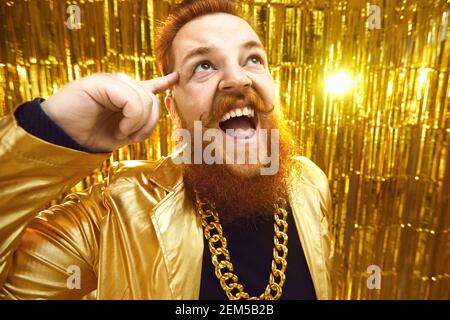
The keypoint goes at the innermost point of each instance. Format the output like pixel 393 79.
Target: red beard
pixel 236 197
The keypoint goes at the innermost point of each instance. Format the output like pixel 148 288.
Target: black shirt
pixel 250 242
pixel 251 250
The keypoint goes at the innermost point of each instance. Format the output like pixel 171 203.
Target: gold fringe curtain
pixel 370 103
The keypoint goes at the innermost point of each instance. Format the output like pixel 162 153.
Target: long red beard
pixel 236 197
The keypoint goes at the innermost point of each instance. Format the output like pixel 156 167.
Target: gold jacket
pixel 133 236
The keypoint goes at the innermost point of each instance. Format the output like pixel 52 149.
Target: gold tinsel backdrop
pixel 365 89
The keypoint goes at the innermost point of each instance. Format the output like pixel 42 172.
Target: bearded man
pixel 168 229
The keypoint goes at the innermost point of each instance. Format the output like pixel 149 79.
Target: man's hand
pixel 104 112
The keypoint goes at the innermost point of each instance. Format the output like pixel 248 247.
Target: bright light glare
pixel 423 75
pixel 338 83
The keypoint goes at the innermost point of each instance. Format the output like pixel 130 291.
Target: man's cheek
pixel 270 96
pixel 187 115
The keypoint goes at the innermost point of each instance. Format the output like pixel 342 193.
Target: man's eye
pixel 254 60
pixel 203 66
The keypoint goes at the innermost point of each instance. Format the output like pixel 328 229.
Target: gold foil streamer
pixel 384 143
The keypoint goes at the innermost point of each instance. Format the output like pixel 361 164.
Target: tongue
pixel 241 127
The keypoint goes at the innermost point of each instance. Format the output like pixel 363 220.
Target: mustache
pixel 224 102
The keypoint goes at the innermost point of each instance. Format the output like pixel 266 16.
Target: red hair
pixel 180 15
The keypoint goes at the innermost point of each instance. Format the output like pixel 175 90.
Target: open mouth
pixel 239 123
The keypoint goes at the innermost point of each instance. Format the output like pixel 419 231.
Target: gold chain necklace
pixel 220 255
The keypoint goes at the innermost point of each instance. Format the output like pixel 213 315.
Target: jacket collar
pixel 167 174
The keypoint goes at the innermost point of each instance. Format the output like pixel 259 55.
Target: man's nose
pixel 234 80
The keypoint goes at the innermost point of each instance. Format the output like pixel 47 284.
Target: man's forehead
pixel 213 30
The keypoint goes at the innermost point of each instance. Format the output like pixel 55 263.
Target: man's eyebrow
pixel 199 51
pixel 204 50
pixel 252 44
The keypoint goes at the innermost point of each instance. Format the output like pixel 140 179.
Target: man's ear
pixel 170 106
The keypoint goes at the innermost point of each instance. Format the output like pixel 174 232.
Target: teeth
pixel 239 112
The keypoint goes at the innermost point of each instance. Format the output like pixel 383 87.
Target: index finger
pixel 161 84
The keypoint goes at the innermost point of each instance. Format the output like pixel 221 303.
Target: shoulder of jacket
pixel 162 172
pixel 125 168
pixel 314 177
pixel 311 174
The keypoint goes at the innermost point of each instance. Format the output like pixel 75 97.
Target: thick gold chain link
pixel 221 259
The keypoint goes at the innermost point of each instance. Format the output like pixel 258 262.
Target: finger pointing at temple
pixel 161 84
